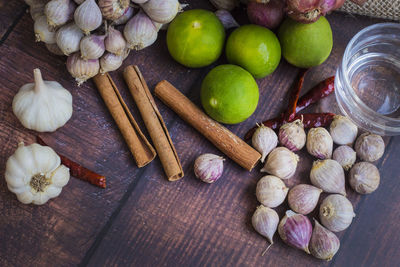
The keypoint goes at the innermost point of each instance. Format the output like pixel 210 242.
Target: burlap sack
pixel 387 9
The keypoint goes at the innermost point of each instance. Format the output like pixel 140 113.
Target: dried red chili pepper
pixel 294 96
pixel 321 90
pixel 78 171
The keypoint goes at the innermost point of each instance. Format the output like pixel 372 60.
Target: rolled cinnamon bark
pixel 141 149
pixel 154 123
pixel 231 145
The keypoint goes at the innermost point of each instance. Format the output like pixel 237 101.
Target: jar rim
pixel 346 55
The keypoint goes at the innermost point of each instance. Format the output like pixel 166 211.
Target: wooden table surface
pixel 141 219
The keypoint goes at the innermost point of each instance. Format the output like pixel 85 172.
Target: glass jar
pixel 367 83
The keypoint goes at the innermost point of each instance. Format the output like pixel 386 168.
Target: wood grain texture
pixel 10 13
pixel 141 219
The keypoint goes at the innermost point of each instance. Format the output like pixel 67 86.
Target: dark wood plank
pixel 193 224
pixel 10 13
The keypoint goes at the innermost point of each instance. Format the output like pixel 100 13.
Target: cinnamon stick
pixel 154 123
pixel 231 145
pixel 141 149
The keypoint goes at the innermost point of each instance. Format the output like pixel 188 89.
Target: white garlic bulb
pixel 92 46
pixel 43 32
pixel 88 16
pixel 58 12
pixel 319 143
pixel 281 162
pixel 162 11
pixel 127 15
pixel 81 69
pixel 43 106
pixel 114 42
pixel 110 62
pixel 35 174
pixel 336 213
pixel 113 9
pixel 343 130
pixel 264 140
pixel 328 175
pixel 345 156
pixel 140 32
pixel 68 38
pixel 271 191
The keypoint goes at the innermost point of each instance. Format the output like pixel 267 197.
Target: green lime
pixel 254 48
pixel 195 38
pixel 229 94
pixel 306 45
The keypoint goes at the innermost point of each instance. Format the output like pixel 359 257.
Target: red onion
pixel 267 13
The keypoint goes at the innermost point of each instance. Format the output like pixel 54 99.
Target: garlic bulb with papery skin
pixel 58 12
pixel 81 69
pixel 324 244
pixel 162 11
pixel 54 49
pixel 36 9
pixel 92 46
pixel 295 230
pixel 303 198
pixel 292 135
pixel 225 4
pixel 364 177
pixel 140 32
pixel 345 155
pixel 319 143
pixel 43 106
pixel 43 32
pixel 281 162
pixel 35 174
pixel 265 221
pixel 343 130
pixel 370 147
pixel 208 167
pixel 113 9
pixel 110 62
pixel 114 42
pixel 88 16
pixel 271 191
pixel 329 176
pixel 226 19
pixel 264 140
pixel 336 213
pixel 127 15
pixel 68 38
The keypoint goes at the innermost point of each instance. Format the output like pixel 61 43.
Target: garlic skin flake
pixel 35 174
pixel 43 106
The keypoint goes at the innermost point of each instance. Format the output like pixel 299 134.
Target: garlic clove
pixel 265 221
pixel 329 176
pixel 43 32
pixel 110 62
pixel 292 135
pixel 225 4
pixel 303 198
pixel 345 156
pixel 271 191
pixel 364 178
pixel 113 9
pixel 369 147
pixel 324 244
pixel 209 167
pixel 88 16
pixel 319 143
pixel 59 12
pixel 264 140
pixel 226 19
pixel 114 42
pixel 336 213
pixel 295 230
pixel 281 162
pixel 92 46
pixel 140 32
pixel 162 11
pixel 127 15
pixel 68 38
pixel 80 69
pixel 343 130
